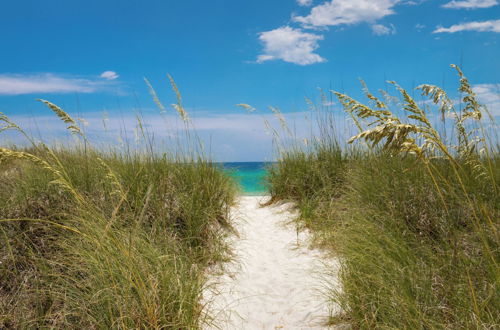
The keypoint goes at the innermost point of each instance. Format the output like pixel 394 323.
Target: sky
pixel 91 57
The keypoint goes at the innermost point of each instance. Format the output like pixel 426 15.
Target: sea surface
pixel 249 175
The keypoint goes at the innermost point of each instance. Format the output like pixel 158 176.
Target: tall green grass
pixel 412 217
pixel 116 239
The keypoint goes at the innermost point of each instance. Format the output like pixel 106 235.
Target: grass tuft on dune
pixel 412 214
pixel 116 239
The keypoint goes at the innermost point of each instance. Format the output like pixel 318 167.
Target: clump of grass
pixel 113 239
pixel 304 177
pixel 413 217
pixel 402 247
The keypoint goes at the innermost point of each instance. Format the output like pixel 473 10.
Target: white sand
pixel 275 280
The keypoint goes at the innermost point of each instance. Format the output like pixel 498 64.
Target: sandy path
pixel 275 281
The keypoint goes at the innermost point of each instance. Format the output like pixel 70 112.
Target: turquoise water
pixel 250 176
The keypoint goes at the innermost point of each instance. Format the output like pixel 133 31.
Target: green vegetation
pixel 107 240
pixel 412 216
pixel 122 239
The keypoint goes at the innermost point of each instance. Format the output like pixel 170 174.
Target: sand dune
pixel 275 280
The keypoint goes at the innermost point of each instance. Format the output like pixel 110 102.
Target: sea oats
pixel 73 126
pixel 378 103
pixel 178 106
pixel 247 107
pixel 60 180
pixel 281 118
pixel 112 178
pixel 155 97
pixel 7 123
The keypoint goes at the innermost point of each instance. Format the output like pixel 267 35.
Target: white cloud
pixel 109 75
pixel 489 95
pixel 470 4
pixel 419 27
pixel 337 12
pixel 290 45
pixel 234 136
pixel 305 3
pixel 485 26
pixel 380 30
pixel 413 2
pixel 17 84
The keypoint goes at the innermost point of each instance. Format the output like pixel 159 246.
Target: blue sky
pixel 91 56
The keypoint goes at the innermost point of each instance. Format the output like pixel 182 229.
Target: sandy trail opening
pixel 275 280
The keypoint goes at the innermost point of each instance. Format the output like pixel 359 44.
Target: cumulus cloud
pixel 470 4
pixel 290 45
pixel 484 26
pixel 109 75
pixel 380 30
pixel 305 3
pixel 338 12
pixel 18 84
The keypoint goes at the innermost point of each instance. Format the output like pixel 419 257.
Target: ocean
pixel 250 176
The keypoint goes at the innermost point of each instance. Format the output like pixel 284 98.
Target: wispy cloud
pixel 419 27
pixel 235 136
pixel 489 95
pixel 338 12
pixel 484 26
pixel 470 4
pixel 413 2
pixel 380 30
pixel 290 45
pixel 109 75
pixel 305 3
pixel 18 84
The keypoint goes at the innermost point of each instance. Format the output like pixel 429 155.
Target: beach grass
pixel 115 239
pixel 412 215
